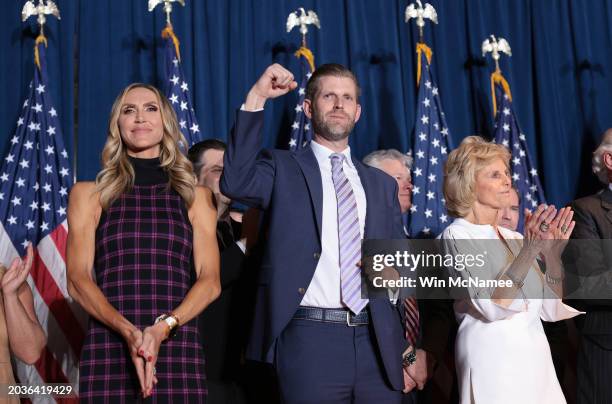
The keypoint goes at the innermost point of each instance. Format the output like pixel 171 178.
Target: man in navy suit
pixel 328 342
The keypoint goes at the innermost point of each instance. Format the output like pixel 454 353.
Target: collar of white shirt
pixel 322 154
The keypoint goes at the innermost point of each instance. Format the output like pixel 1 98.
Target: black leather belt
pixel 340 316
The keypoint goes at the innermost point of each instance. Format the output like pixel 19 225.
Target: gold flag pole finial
pixel 168 31
pixel 495 46
pixel 41 10
pixel 421 13
pixel 167 8
pixel 303 20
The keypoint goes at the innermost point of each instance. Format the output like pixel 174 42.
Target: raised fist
pixel 274 82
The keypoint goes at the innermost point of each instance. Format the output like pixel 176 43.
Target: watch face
pixel 161 318
pixel 171 321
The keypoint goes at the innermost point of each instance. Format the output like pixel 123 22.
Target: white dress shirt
pixel 324 289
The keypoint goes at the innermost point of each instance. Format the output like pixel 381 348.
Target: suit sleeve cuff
pixel 256 110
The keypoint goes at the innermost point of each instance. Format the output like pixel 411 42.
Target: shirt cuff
pixel 393 295
pixel 242 246
pixel 255 110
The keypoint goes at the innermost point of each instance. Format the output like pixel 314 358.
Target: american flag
pixel 34 183
pixel 431 145
pixel 301 131
pixel 524 173
pixel 177 89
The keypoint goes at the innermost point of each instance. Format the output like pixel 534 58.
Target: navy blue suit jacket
pixel 288 186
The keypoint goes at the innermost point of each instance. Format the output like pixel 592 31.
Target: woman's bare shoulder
pixel 84 195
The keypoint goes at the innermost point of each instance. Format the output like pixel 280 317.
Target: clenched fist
pixel 274 82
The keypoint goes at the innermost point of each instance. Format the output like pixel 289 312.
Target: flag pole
pixel 496 46
pixel 420 14
pixel 301 132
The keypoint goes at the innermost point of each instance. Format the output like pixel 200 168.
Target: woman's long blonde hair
pixel 117 175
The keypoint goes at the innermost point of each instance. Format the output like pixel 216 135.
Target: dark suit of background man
pixel 224 323
pixel 326 346
pixel 593 216
pixel 435 317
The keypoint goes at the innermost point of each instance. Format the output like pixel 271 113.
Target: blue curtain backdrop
pixel 559 73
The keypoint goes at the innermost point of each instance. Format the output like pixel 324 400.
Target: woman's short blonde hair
pixel 117 175
pixel 462 165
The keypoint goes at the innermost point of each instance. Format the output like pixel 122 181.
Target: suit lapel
pixel 606 203
pixel 312 173
pixel 366 182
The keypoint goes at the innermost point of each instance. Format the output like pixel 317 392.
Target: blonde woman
pixel 148 232
pixel 501 351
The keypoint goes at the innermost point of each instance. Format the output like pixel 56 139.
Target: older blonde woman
pixel 149 232
pixel 502 355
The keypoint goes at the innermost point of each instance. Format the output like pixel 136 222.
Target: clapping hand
pixel 558 232
pixel 538 223
pixel 17 273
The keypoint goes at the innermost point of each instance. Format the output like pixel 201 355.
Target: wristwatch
pixel 171 321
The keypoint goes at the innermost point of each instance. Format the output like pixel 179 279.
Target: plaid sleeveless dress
pixel 143 265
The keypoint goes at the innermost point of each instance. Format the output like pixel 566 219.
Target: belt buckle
pixel 348 319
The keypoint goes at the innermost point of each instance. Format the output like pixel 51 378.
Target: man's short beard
pixel 321 128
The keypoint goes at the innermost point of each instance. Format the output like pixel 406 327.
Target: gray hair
pixel 376 157
pixel 598 164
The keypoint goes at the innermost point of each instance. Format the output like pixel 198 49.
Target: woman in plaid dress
pixel 149 232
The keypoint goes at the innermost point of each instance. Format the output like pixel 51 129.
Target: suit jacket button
pixel 302 291
pixel 316 255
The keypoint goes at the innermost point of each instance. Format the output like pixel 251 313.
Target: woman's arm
pixel 207 287
pixel 26 337
pixel 83 215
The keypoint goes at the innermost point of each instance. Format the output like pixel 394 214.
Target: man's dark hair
pixel 329 69
pixel 196 152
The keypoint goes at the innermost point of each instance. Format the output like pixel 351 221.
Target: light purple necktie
pixel 349 238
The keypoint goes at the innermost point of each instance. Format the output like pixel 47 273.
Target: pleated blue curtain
pixel 559 73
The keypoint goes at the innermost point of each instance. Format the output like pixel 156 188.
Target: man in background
pixel 593 260
pixel 508 217
pixel 435 318
pixel 224 324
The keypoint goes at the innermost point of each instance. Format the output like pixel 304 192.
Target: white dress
pixel 501 353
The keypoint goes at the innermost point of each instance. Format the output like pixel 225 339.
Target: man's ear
pixel 307 107
pixel 607 160
pixel 357 113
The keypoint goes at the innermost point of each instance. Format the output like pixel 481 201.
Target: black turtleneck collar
pixel 148 171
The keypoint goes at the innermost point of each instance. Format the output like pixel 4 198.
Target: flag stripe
pixel 59 237
pixel 54 299
pixel 56 340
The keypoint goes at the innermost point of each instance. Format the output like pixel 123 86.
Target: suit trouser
pixel 594 373
pixel 319 362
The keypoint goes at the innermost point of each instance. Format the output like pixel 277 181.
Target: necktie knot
pixel 337 159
